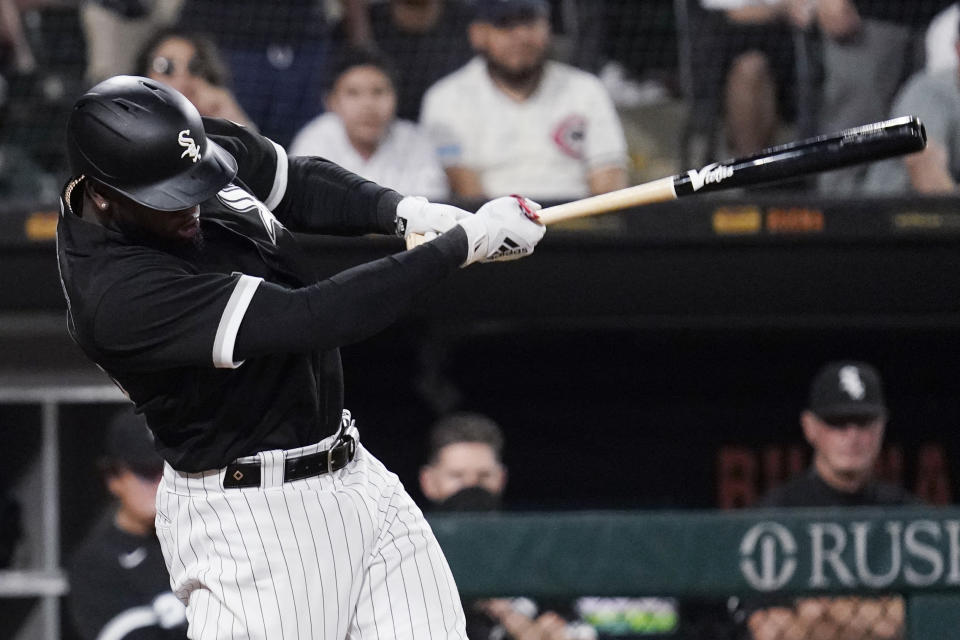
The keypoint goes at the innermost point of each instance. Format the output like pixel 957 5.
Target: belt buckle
pixel 351 445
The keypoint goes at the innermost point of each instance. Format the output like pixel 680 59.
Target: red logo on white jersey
pixel 571 136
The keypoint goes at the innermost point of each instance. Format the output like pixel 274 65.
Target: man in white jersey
pixel 510 121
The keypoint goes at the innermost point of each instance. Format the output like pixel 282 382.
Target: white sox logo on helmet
pixel 192 149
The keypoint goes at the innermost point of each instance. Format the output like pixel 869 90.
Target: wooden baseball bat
pixel 866 143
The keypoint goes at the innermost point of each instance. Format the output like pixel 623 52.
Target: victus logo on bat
pixel 711 174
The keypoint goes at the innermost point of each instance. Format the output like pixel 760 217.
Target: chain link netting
pixel 694 80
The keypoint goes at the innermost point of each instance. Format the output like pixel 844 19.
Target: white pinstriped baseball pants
pixel 342 555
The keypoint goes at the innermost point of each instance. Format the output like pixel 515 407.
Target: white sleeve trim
pixel 128 621
pixel 279 180
pixel 230 322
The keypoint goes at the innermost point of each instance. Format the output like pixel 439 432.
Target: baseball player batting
pixel 184 284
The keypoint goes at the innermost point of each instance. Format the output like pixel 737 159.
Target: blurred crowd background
pixel 692 81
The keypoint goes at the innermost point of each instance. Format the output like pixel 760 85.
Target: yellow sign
pixel 737 220
pixel 41 225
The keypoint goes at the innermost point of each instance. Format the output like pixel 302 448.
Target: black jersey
pixel 229 346
pixel 809 490
pixel 118 580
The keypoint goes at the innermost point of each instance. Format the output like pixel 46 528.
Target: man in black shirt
pixel 119 586
pixel 868 52
pixel 184 284
pixel 425 40
pixel 844 423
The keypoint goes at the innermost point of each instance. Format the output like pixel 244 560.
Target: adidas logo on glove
pixel 502 229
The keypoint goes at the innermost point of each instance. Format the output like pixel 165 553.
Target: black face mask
pixel 470 499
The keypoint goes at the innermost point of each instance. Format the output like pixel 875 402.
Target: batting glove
pixel 420 216
pixel 502 229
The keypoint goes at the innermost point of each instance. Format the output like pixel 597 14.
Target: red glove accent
pixel 527 211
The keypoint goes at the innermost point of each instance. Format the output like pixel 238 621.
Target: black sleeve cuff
pixel 387 211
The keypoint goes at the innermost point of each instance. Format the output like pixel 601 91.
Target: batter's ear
pixel 96 195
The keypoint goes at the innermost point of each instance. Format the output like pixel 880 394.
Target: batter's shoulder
pixel 261 163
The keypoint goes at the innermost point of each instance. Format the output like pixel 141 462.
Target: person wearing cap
pixel 844 422
pixel 512 121
pixel 186 284
pixel 424 39
pixel 119 586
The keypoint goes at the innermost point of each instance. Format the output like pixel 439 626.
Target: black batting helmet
pixel 146 141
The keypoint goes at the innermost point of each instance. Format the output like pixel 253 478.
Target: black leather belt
pixel 247 474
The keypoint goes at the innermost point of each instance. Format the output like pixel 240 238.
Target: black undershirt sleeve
pixel 323 197
pixel 348 307
pixel 319 197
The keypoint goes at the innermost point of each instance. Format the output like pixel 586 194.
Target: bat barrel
pixel 823 153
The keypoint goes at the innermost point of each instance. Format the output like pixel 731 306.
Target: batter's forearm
pixel 323 197
pixel 352 305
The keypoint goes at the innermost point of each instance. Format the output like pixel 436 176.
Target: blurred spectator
pixel 935 97
pixel 511 121
pixel 748 48
pixel 361 133
pixel 119 586
pixel 425 40
pixel 189 62
pixel 278 52
pixel 844 423
pixel 941 39
pixel 637 56
pixel 464 472
pixel 18 52
pixel 640 38
pixel 22 176
pixel 578 32
pixel 115 30
pixel 869 49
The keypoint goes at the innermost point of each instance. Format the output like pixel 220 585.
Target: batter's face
pixel 134 219
pixel 366 102
pixel 846 450
pixel 460 466
pixel 516 48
